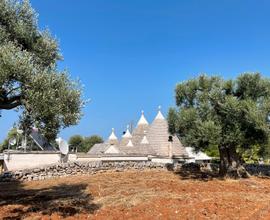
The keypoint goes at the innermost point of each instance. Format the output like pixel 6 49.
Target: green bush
pixel 84 144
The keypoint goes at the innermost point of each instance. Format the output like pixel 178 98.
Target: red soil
pixel 136 195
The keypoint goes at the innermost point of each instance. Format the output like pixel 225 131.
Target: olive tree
pixel 29 77
pixel 84 144
pixel 89 142
pixel 76 142
pixel 229 114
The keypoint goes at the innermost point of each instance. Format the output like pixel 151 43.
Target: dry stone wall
pixel 253 169
pixel 258 169
pixel 80 168
pixel 77 168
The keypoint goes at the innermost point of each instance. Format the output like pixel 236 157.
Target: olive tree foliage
pixel 84 144
pixel 89 142
pixel 229 114
pixel 12 134
pixel 76 142
pixel 29 78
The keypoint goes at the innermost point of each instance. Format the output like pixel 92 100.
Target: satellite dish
pixel 63 145
pixel 12 141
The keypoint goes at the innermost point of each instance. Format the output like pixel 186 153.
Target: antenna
pixel 11 142
pixel 63 145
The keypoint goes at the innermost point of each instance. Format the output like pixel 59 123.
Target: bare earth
pixel 136 195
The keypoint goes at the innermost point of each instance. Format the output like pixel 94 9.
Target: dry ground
pixel 136 195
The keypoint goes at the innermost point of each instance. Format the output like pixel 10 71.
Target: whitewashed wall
pixel 112 158
pixel 17 161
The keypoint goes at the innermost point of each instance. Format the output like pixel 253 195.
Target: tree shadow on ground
pixel 65 200
pixel 196 172
pixel 197 175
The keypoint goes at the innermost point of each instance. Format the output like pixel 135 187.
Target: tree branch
pixel 12 90
pixel 13 98
pixel 8 106
pixel 11 102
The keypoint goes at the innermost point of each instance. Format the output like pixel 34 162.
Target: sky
pixel 129 55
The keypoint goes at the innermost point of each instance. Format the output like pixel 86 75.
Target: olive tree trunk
pixel 231 164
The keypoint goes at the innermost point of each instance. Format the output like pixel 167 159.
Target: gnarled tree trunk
pixel 230 163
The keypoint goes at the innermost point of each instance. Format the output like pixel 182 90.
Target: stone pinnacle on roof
pixel 130 144
pixel 142 120
pixel 144 140
pixel 127 134
pixel 159 114
pixel 113 136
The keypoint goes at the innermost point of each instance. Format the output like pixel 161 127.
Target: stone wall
pixel 253 169
pixel 76 168
pixel 258 169
pixel 92 167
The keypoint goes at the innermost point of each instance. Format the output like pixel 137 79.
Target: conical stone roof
pixel 130 144
pixel 113 140
pixel 143 120
pixel 144 140
pixel 139 131
pixel 158 136
pixel 126 137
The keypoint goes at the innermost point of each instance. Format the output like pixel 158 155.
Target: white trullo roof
pixel 126 137
pixel 139 131
pixel 112 138
pixel 142 120
pixel 158 136
pixel 159 114
pixel 130 144
pixel 144 140
pixel 127 133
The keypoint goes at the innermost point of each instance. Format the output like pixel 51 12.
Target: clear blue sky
pixel 130 54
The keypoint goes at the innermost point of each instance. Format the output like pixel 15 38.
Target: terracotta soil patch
pixel 136 195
